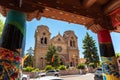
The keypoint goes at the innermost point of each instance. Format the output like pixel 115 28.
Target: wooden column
pixel 12 46
pixel 109 62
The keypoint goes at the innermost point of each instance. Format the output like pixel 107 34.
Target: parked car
pixel 50 73
pixel 98 74
pixel 25 77
pixel 49 78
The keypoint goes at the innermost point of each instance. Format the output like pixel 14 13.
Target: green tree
pixel 1 25
pixel 29 60
pixel 52 57
pixel 117 54
pixel 90 50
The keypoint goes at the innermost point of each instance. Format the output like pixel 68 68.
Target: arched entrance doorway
pixel 62 60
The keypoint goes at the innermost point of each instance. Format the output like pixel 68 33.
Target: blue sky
pixel 56 26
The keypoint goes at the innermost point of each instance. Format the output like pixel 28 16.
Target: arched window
pixel 59 39
pixel 71 64
pixel 43 33
pixel 42 39
pixel 71 43
pixel 45 40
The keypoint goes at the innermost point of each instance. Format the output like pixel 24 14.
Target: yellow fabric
pixel 112 77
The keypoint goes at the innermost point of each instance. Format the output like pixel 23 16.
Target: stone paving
pixel 88 76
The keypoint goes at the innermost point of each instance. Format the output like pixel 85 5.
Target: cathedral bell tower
pixel 42 41
pixel 72 45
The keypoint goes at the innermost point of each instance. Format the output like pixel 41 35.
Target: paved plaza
pixel 88 76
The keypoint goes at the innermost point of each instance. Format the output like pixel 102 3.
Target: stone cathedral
pixel 66 45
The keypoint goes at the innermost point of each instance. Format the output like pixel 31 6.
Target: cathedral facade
pixel 66 45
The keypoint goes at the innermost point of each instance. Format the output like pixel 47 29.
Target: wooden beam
pixel 88 3
pixel 112 6
pixel 102 2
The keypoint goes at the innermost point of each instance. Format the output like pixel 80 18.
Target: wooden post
pixel 12 46
pixel 109 62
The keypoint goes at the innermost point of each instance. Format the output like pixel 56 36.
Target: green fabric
pixel 17 19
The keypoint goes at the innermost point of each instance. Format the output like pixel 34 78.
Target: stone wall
pixel 62 72
pixel 76 71
pixel 31 74
pixel 69 72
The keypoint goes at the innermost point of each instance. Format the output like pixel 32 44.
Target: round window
pixel 59 48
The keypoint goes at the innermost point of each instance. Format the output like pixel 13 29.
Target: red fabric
pixel 52 58
pixel 115 17
pixel 104 36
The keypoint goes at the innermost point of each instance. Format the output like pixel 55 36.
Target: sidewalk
pixel 60 76
pixel 65 76
pixel 76 75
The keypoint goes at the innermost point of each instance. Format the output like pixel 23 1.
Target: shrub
pixel 36 70
pixel 49 67
pixel 28 69
pixel 92 65
pixel 62 67
pixel 81 66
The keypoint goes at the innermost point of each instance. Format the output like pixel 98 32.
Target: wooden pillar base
pixel 109 62
pixel 12 46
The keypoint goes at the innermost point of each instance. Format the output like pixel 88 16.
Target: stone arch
pixel 45 41
pixel 62 60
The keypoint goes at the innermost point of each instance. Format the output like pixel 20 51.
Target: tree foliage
pixel 1 25
pixel 90 50
pixel 29 60
pixel 52 57
pixel 117 54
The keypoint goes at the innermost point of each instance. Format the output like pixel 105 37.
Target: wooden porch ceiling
pixel 91 13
